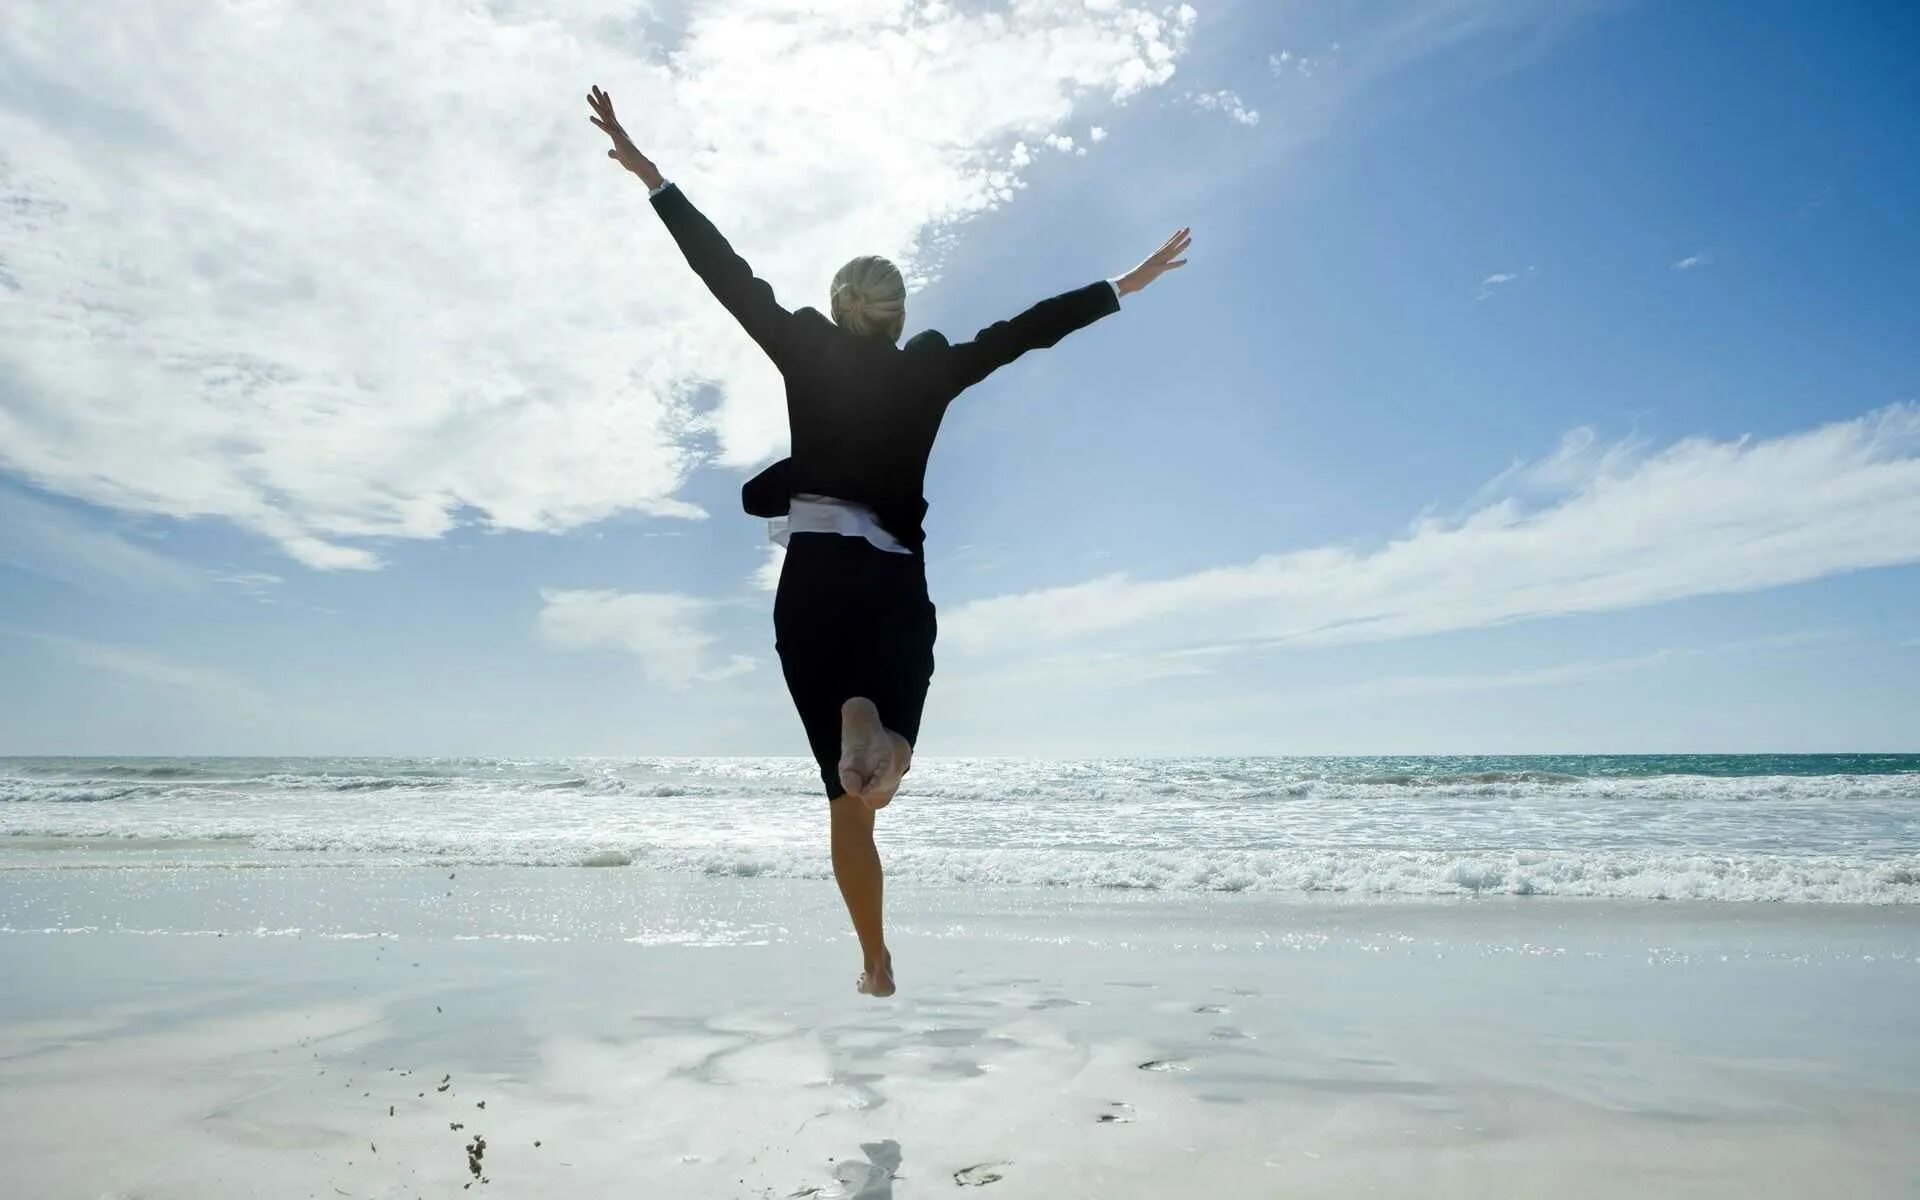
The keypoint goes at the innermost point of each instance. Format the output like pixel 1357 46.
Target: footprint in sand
pixel 1119 1112
pixel 1210 1008
pixel 1164 1064
pixel 979 1175
pixel 1040 1005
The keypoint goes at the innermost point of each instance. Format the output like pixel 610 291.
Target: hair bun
pixel 869 297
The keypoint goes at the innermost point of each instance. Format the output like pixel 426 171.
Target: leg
pixel 856 867
pixel 855 632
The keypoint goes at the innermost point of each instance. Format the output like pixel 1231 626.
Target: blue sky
pixel 1543 379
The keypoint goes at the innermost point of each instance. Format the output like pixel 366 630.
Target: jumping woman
pixel 852 621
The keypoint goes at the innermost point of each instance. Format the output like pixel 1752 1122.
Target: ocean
pixel 1739 828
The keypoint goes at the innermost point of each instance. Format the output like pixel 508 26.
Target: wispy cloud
pixel 1579 670
pixel 258 584
pixel 404 293
pixel 1588 529
pixel 145 667
pixel 665 631
pixel 1503 279
pixel 1328 88
pixel 1691 262
pixel 767 576
pixel 59 543
pixel 1287 63
pixel 1225 102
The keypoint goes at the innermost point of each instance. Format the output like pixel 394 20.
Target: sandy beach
pixel 385 1033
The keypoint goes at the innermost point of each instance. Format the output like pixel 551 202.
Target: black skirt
pixel 851 619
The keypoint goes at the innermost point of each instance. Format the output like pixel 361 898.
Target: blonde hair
pixel 870 298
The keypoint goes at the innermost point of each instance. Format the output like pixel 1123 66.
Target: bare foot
pixel 880 790
pixel 877 981
pixel 867 752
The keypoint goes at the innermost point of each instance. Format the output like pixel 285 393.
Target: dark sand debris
pixel 979 1175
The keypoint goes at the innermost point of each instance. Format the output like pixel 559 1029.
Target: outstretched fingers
pixel 602 105
pixel 1175 246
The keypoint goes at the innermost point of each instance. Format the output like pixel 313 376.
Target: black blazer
pixel 863 412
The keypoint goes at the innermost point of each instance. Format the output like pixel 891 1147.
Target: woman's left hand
pixel 1165 259
pixel 624 151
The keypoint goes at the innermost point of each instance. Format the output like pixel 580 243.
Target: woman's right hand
pixel 624 151
pixel 1165 259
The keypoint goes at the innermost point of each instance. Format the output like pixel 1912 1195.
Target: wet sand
pixel 198 1033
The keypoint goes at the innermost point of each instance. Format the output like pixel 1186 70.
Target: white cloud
pixel 1690 262
pixel 664 630
pixel 1226 102
pixel 1588 529
pixel 767 576
pixel 409 290
pixel 1503 279
pixel 1097 134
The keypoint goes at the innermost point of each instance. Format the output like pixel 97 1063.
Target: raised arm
pixel 1054 318
pixel 1035 329
pixel 726 274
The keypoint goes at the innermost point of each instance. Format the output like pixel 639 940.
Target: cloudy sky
pixel 1546 376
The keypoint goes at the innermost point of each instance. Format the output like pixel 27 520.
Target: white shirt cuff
pixel 1115 285
pixel 664 185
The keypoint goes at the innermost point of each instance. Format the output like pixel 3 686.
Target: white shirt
pixel 810 512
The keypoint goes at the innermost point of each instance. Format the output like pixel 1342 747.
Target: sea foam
pixel 1825 829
